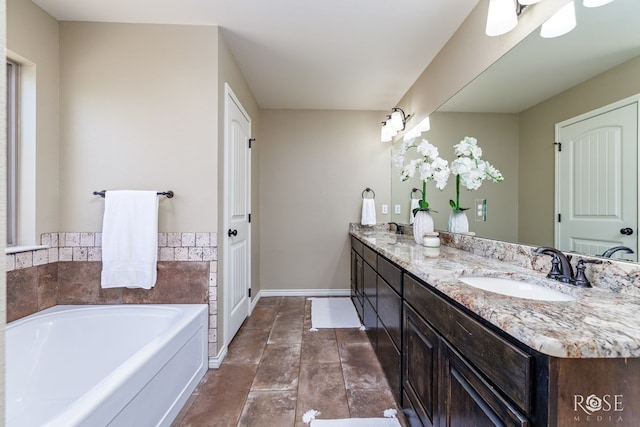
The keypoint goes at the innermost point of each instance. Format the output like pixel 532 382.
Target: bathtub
pixel 104 365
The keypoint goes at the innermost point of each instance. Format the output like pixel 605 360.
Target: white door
pixel 237 228
pixel 597 181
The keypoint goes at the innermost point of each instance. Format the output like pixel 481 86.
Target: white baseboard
pixel 216 361
pixel 305 292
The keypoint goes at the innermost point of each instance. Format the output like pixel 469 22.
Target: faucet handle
pixel 581 279
pixel 555 272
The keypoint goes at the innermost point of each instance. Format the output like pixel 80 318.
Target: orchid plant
pixel 430 166
pixel 470 170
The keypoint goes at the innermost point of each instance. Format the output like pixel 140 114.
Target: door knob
pixel 626 231
pixel 232 232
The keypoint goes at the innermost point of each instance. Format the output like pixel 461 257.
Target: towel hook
pixel 368 190
pixel 415 190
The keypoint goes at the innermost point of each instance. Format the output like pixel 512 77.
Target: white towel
pixel 415 204
pixel 368 212
pixel 130 239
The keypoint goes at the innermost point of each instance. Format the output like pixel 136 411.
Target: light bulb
pixel 595 3
pixel 501 17
pixel 563 21
pixel 395 122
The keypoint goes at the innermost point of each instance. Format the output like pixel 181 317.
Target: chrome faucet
pixel 611 251
pixel 562 270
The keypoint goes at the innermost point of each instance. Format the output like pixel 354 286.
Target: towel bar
pixel 415 190
pixel 169 193
pixel 368 190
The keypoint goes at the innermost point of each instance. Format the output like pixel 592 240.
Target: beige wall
pixel 138 110
pixel 537 134
pixel 33 35
pixel 497 135
pixel 314 166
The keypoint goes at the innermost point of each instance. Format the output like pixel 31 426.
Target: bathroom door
pixel 597 181
pixel 237 228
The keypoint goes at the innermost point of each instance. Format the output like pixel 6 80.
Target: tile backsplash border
pixel 88 247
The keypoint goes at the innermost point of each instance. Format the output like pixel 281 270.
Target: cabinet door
pixel 370 321
pixel 420 367
pixel 357 296
pixel 389 357
pixel 390 310
pixel 466 400
pixel 370 286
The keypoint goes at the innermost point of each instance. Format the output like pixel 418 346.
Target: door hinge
pixel 559 217
pixel 249 292
pixel 250 141
pixel 249 217
pixel 559 144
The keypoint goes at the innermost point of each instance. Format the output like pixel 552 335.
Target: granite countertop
pixel 599 323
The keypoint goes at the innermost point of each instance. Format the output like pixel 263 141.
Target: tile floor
pixel 276 370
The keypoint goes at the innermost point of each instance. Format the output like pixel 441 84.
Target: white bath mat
pixel 390 420
pixel 333 313
pixel 357 422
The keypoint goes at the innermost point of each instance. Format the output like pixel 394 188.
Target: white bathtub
pixel 104 365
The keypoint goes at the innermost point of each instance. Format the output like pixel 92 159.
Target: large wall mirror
pixel 513 108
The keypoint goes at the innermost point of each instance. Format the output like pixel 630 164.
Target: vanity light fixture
pixel 394 124
pixel 563 21
pixel 596 3
pixel 417 130
pixel 502 17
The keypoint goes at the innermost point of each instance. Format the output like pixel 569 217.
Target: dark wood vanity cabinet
pixel 450 368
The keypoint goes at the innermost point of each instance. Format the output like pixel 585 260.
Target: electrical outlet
pixel 396 209
pixel 480 209
pixel 385 209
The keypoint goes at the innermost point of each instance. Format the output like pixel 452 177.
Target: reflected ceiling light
pixel 563 21
pixel 417 130
pixel 502 17
pixel 595 3
pixel 394 124
pixel 528 2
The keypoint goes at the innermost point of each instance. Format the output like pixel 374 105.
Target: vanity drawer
pixel 391 273
pixel 504 364
pixel 370 256
pixel 357 245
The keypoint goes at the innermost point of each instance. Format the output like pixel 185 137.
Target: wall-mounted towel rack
pixel 415 190
pixel 368 190
pixel 169 193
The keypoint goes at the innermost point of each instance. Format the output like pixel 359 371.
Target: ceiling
pixel 305 54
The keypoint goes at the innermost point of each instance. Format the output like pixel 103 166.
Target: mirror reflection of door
pixel 597 182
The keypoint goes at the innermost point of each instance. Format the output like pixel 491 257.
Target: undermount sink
pixel 515 288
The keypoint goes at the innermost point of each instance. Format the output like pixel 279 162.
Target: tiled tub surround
pixel 601 323
pixel 68 272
